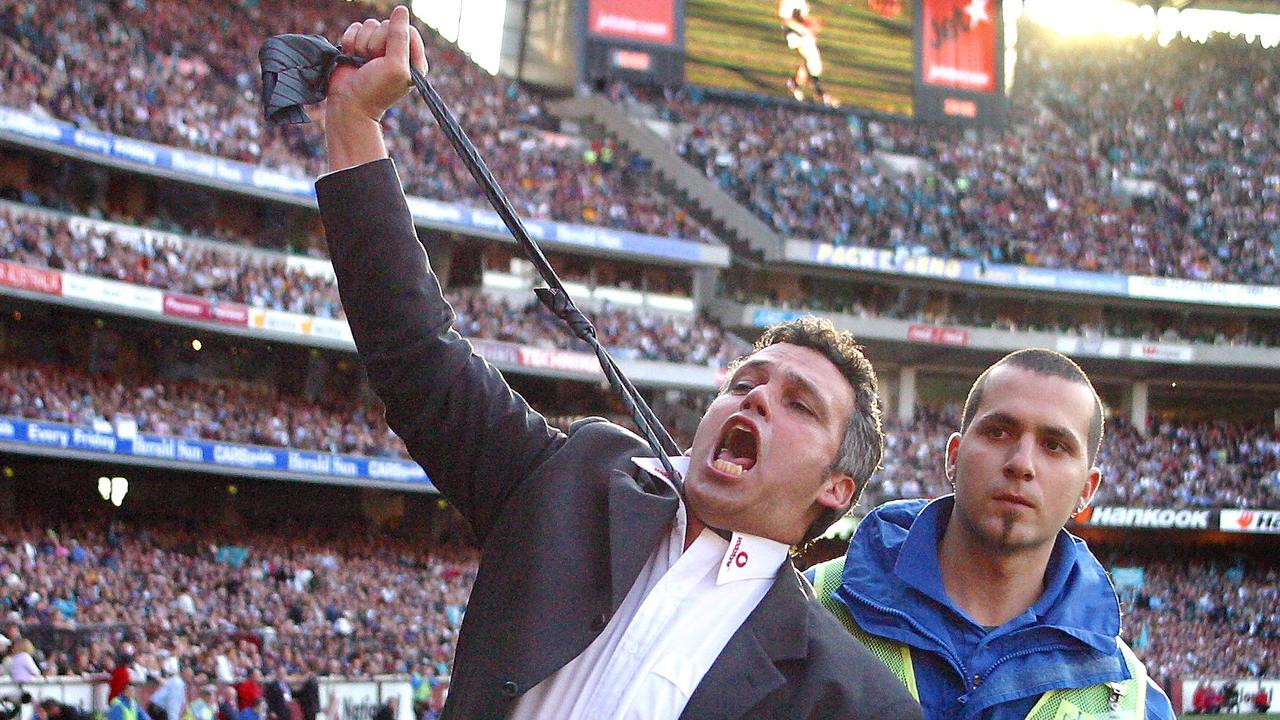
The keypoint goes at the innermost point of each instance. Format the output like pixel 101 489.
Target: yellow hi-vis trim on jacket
pixel 128 710
pixel 1124 700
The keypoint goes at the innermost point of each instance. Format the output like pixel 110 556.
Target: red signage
pixel 938 335
pixel 651 21
pixel 230 313
pixel 186 306
pixel 955 107
pixel 30 278
pixel 959 44
pixel 633 60
pixel 559 360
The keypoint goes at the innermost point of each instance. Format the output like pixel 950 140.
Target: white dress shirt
pixel 679 614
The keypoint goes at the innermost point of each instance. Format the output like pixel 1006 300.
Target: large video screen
pixel 860 50
pixel 960 68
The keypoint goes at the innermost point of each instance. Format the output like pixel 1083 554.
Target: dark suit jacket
pixel 308 697
pixel 565 522
pixel 273 691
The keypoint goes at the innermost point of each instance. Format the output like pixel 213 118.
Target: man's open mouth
pixel 736 452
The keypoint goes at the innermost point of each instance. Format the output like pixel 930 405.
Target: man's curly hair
pixel 862 447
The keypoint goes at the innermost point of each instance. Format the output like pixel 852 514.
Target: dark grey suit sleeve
pixel 475 437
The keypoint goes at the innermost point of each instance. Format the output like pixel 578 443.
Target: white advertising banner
pixel 1250 521
pixel 112 292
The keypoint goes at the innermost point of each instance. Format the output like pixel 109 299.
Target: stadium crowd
pixel 230 273
pixel 1034 194
pixel 237 605
pixel 1206 615
pixel 805 174
pixel 185 74
pixel 243 412
pixel 1043 192
pixel 1181 463
pixel 157 596
pixel 1038 193
pixel 1200 119
pixel 1200 122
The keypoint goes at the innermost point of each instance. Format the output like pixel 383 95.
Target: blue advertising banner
pixel 199 166
pixel 764 317
pixel 1021 276
pixel 900 262
pixel 213 454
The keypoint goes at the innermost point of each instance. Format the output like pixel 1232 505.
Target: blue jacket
pixel 117 709
pixel 892 585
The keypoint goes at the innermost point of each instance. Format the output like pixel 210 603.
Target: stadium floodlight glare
pixel 113 489
pixel 119 488
pixel 475 26
pixel 1093 17
pixel 1198 24
pixel 1120 18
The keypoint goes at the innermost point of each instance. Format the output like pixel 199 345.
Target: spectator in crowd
pixel 1261 700
pixel 147 698
pixel 257 710
pixel 203 705
pixel 126 706
pixel 227 709
pixel 308 694
pixel 279 696
pixel 20 665
pixel 172 695
pixel 51 709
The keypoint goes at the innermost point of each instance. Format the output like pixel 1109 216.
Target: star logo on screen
pixel 977 12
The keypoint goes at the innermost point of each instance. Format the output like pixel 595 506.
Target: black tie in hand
pixel 295 72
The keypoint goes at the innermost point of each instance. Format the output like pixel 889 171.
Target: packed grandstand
pixel 189 310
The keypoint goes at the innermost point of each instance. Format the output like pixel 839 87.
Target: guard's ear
pixel 1090 489
pixel 949 463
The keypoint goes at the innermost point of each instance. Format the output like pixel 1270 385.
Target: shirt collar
pixel 746 557
pixel 751 557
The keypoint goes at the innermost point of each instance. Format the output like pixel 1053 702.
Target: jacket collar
pixel 746 671
pixel 640 511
